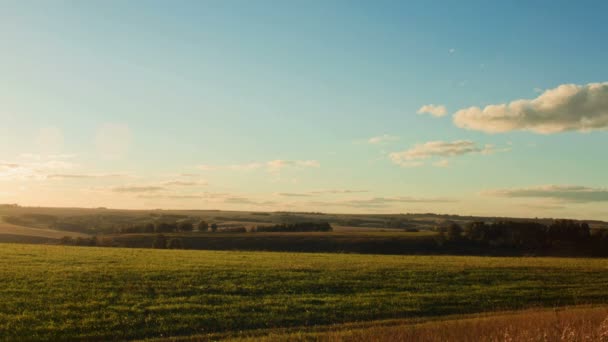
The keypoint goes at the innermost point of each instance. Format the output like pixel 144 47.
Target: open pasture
pixel 52 292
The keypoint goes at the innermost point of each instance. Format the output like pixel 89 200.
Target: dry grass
pixel 574 324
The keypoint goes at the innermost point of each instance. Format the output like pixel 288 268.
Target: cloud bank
pixel 565 193
pixel 569 107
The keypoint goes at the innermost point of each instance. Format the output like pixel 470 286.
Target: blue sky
pixel 271 105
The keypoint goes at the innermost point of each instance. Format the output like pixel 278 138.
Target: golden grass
pixel 582 324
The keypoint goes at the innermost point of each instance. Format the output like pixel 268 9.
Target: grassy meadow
pixel 59 292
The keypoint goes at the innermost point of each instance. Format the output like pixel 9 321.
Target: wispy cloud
pixel 138 189
pixel 381 202
pixel 86 175
pixel 565 193
pixel 184 183
pixel 293 194
pixel 248 201
pixel 272 166
pixel 320 192
pixel 338 191
pixel 385 138
pixel 434 110
pixel 35 167
pixel 569 107
pixel 415 155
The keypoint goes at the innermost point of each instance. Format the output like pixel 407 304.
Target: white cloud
pixel 451 51
pixel 444 149
pixel 569 107
pixel 113 140
pixel 382 139
pixel 434 110
pixel 565 193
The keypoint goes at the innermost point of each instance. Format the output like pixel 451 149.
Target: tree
pixel 160 242
pixel 214 227
pixel 203 226
pixel 149 227
pixel 454 232
pixel 585 231
pixel 185 227
pixel 164 227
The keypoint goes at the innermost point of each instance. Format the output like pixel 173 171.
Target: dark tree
pixel 214 227
pixel 185 227
pixel 164 227
pixel 203 226
pixel 454 232
pixel 149 227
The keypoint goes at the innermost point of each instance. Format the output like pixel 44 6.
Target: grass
pixel 571 324
pixel 57 292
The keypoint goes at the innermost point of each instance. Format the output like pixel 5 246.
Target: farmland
pixel 52 292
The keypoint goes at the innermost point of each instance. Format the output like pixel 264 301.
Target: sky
pixel 453 107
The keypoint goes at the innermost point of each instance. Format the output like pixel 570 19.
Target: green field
pixel 55 292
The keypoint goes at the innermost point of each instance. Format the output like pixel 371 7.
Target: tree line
pixel 166 227
pixel 297 227
pixel 524 234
